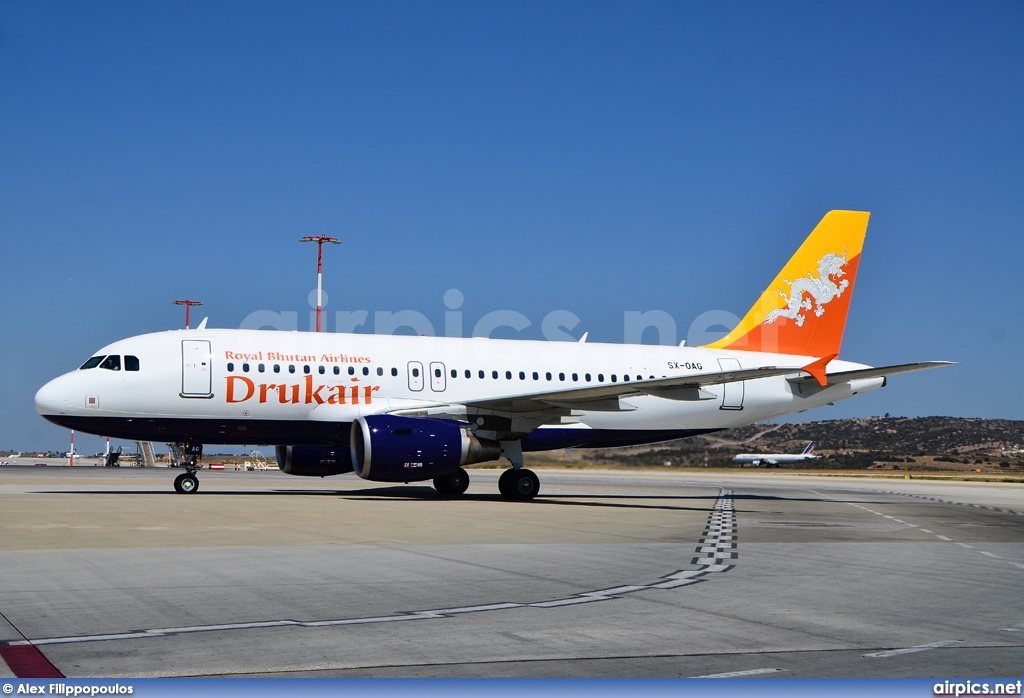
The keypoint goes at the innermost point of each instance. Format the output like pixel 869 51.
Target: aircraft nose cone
pixel 50 399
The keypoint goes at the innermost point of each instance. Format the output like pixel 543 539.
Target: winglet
pixel 817 369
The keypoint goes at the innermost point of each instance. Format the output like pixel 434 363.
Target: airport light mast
pixel 188 306
pixel 319 240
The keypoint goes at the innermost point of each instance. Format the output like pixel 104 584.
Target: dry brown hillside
pixel 929 443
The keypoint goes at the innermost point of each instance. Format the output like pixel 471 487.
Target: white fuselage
pixel 269 387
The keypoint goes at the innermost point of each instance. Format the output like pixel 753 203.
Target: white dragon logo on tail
pixel 822 290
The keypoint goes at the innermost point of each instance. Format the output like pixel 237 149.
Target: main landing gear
pixel 519 484
pixel 453 483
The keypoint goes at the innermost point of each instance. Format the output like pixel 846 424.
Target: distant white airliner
pixel 776 458
pixel 405 409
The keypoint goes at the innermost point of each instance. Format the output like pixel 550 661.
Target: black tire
pixel 526 485
pixel 521 485
pixel 186 483
pixel 504 484
pixel 453 483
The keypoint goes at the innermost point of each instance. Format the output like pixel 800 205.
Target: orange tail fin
pixel 803 311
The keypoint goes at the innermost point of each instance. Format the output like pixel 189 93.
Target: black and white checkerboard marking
pixel 719 540
pixel 1012 512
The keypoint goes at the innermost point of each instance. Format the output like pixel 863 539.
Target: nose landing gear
pixel 190 453
pixel 186 483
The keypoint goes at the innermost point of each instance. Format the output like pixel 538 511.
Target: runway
pixel 108 573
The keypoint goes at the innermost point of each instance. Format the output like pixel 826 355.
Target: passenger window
pixel 625 378
pixel 322 370
pixel 277 368
pixel 469 374
pixel 575 377
pixel 231 367
pixel 587 377
pixel 93 362
pixel 522 375
pixel 366 371
pixel 437 373
pixel 536 376
pixel 455 374
pixel 112 363
pixel 614 379
pixel 380 370
pixel 245 368
pixel 548 375
pixel 351 370
pixel 261 368
pixel 131 363
pixel 494 374
pixel 561 376
pixel 394 371
pixel 291 368
pixel 600 378
pixel 508 375
pixel 415 373
pixel 481 373
pixel 305 369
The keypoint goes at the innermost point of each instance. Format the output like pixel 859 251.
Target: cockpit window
pixel 131 363
pixel 112 363
pixel 91 363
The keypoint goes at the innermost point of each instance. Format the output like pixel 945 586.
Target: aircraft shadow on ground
pixel 428 494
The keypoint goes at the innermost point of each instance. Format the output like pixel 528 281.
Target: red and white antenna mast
pixel 319 240
pixel 188 306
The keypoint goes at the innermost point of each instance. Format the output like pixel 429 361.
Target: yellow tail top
pixel 803 311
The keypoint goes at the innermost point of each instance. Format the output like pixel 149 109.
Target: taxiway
pixel 108 573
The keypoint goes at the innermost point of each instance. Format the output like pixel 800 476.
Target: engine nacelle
pixel 389 448
pixel 313 461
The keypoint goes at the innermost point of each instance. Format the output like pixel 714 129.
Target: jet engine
pixel 389 448
pixel 313 461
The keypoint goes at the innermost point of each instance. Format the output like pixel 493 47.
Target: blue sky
pixel 584 156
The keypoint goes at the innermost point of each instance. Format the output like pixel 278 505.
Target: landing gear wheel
pixel 452 483
pixel 186 483
pixel 521 485
pixel 505 484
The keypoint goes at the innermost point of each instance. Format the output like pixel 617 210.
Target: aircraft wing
pixel 539 407
pixel 606 397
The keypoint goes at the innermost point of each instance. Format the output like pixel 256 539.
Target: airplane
pixel 410 409
pixel 770 459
